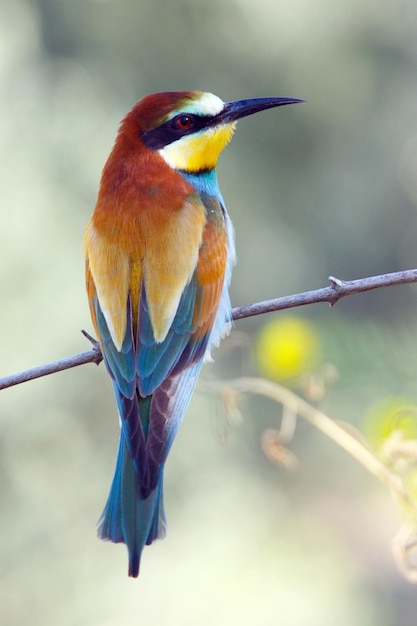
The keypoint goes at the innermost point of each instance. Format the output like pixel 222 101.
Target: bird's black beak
pixel 233 111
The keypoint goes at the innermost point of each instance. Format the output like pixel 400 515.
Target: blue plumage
pixel 153 384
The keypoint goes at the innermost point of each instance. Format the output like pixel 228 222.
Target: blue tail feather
pixel 127 518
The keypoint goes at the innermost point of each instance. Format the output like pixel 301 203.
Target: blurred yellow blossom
pixel 393 419
pixel 287 347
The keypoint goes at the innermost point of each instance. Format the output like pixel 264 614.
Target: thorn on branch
pixel 96 348
pixel 338 289
pixel 90 338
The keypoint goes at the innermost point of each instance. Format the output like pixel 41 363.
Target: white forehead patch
pixel 205 104
pixel 208 104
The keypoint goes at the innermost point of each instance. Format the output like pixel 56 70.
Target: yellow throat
pixel 199 151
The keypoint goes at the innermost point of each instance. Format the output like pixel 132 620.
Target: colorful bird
pixel 159 251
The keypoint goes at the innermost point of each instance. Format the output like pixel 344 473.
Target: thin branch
pixel 338 289
pixel 273 443
pixel 333 430
pixel 90 356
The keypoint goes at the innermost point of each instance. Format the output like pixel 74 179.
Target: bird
pixel 159 251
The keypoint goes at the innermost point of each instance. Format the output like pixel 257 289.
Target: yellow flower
pixel 394 416
pixel 287 347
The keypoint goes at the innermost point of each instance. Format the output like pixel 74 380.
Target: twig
pixel 333 430
pixel 90 356
pixel 404 544
pixel 338 289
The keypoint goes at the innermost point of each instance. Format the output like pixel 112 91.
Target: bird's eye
pixel 183 122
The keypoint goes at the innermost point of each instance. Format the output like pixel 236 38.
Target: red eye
pixel 183 122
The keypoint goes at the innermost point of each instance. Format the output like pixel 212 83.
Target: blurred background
pixel 327 187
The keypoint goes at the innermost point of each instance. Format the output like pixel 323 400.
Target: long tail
pixel 127 518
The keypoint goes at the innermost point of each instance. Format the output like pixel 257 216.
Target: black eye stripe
pixel 170 131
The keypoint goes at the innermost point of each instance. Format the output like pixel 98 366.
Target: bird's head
pixel 189 129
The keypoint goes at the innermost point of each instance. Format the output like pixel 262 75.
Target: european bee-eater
pixel 159 251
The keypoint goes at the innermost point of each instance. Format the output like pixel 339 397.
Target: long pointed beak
pixel 233 111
